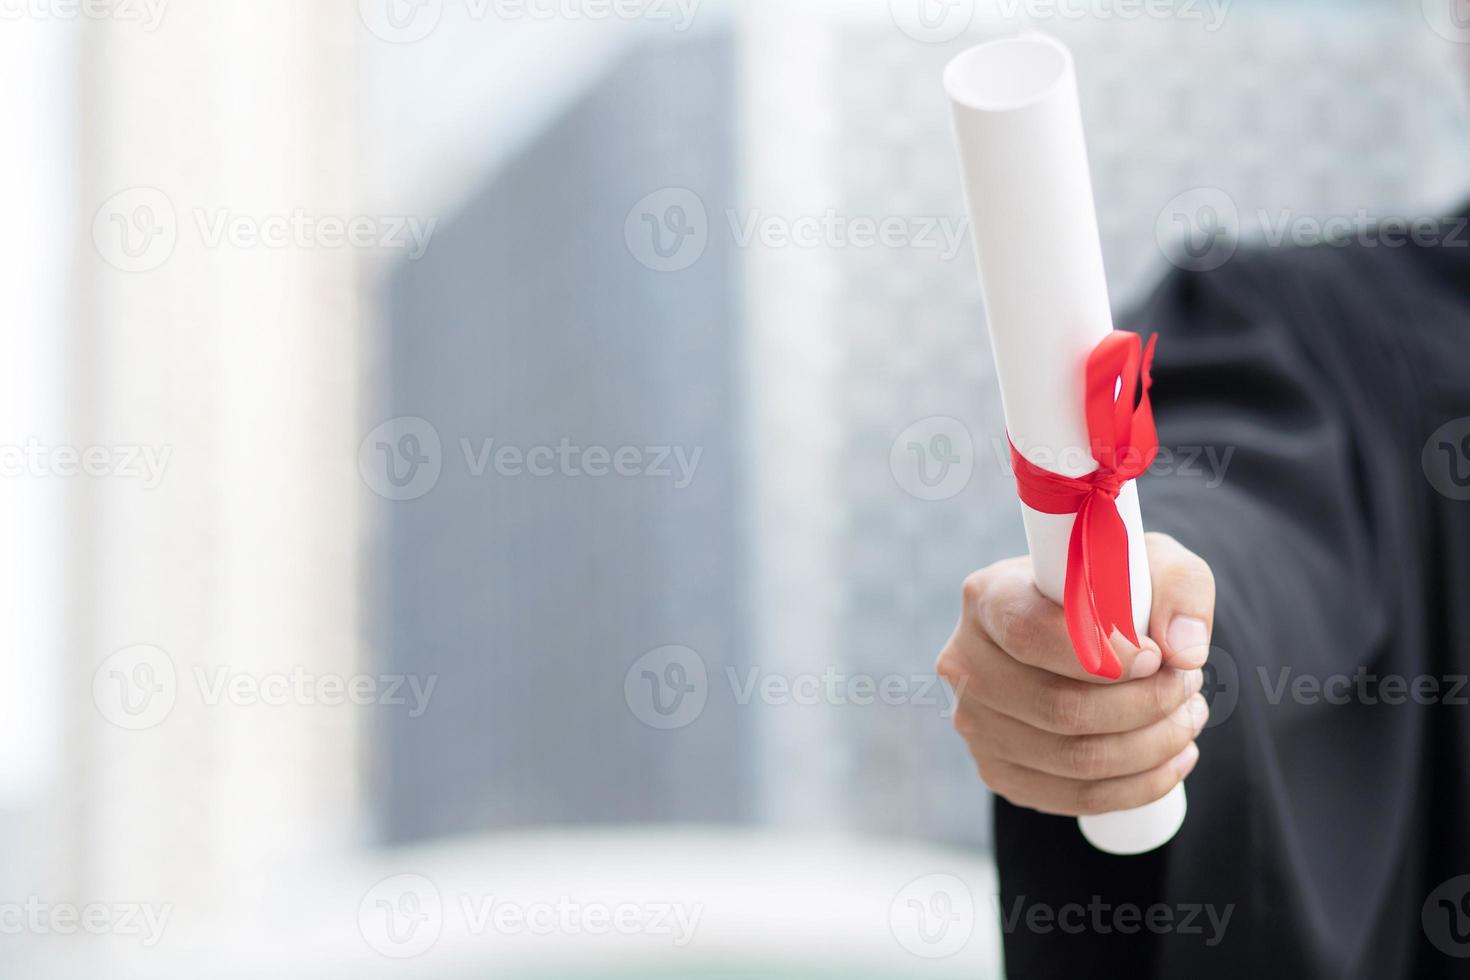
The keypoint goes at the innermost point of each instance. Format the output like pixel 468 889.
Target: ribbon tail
pixel 1087 624
pixel 1105 550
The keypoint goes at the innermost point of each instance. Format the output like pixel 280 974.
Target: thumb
pixel 1183 614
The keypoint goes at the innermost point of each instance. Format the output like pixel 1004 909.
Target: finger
pixel 1083 797
pixel 1184 602
pixel 1003 603
pixel 1067 706
pixel 1089 757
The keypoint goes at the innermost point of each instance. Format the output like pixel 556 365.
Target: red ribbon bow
pixel 1097 597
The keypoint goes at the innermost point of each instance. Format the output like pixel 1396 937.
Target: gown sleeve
pixel 1290 461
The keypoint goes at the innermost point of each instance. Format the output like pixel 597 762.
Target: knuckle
pixel 966 722
pixel 1181 733
pixel 948 664
pixel 1139 791
pixel 1091 798
pixel 1191 573
pixel 1171 691
pixel 972 592
pixel 1173 742
pixel 1015 626
pixel 1086 756
pixel 1064 706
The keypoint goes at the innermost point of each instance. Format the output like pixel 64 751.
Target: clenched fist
pixel 1047 735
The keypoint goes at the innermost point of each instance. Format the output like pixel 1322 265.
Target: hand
pixel 1047 735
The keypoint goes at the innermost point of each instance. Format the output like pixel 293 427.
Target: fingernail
pixel 1194 680
pixel 1188 635
pixel 1199 712
pixel 1184 761
pixel 1146 664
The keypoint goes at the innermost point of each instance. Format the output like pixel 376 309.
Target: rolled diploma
pixel 1034 227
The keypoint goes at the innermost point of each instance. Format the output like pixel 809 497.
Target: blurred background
pixel 485 481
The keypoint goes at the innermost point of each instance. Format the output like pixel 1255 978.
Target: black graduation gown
pixel 1342 554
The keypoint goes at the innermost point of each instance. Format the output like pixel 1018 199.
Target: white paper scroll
pixel 1034 227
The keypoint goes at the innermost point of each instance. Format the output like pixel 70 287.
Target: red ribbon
pixel 1097 597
